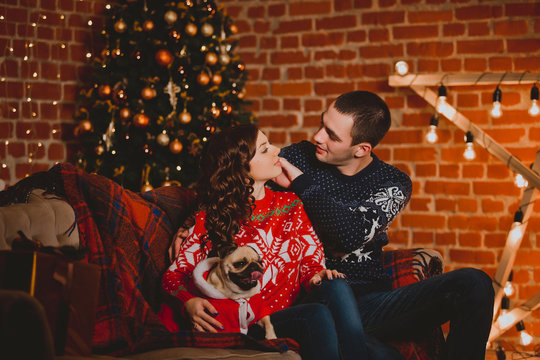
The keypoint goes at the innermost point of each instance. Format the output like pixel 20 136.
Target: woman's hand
pixel 325 274
pixel 201 313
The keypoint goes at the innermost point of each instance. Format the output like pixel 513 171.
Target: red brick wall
pixel 301 55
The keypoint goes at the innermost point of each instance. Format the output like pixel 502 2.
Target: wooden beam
pixel 465 79
pixel 513 241
pixel 514 316
pixel 480 136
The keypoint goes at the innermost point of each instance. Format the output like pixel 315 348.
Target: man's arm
pixel 340 225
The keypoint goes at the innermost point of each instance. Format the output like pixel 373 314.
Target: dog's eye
pixel 239 264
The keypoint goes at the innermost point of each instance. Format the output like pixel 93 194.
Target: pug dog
pixel 235 275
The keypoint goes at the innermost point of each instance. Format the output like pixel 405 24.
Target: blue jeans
pixel 464 297
pixel 326 324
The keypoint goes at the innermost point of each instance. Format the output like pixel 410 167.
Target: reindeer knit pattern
pixel 289 247
pixel 350 214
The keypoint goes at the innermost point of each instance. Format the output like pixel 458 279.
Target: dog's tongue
pixel 256 275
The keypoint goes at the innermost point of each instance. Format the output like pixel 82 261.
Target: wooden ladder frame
pixel 420 83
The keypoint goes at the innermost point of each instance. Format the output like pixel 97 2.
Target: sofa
pixel 126 235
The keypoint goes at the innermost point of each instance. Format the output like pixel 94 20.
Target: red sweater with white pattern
pixel 282 235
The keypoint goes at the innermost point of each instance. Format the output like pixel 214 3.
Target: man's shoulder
pixel 302 148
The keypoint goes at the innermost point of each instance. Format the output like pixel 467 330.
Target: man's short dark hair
pixel 370 115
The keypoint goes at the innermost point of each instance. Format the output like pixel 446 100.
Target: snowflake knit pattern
pixel 280 232
pixel 350 214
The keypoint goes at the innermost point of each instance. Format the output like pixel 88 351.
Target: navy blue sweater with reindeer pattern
pixel 350 214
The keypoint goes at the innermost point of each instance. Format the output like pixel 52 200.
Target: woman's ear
pixel 362 149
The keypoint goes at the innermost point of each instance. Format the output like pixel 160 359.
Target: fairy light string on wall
pixel 528 178
pixel 23 65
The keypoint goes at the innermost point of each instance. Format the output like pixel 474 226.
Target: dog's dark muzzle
pixel 247 278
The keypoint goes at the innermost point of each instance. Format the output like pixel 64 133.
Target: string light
pixel 441 99
pixel 509 287
pixel 401 68
pixel 516 232
pixel 431 136
pixel 469 152
pixel 534 109
pixel 524 337
pixel 520 181
pixel 505 319
pixel 496 110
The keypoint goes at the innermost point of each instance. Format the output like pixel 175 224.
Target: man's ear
pixel 362 149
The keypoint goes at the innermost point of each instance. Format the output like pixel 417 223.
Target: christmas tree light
pixel 167 79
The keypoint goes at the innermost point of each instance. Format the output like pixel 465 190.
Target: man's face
pixel 334 139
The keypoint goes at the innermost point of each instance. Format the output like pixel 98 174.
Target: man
pixel 351 197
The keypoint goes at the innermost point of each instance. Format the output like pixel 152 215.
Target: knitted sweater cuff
pixel 301 183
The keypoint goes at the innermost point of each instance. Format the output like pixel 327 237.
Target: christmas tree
pixel 166 79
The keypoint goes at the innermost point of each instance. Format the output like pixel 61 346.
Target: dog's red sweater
pixel 284 238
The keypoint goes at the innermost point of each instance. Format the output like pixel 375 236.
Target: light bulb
pixel 441 99
pixel 509 288
pixel 431 135
pixel 401 67
pixel 525 338
pixel 496 110
pixel 469 152
pixel 520 181
pixel 534 109
pixel 506 319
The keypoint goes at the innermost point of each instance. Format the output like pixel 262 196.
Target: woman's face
pixel 265 164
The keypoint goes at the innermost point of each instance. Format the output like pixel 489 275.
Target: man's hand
pixel 180 236
pixel 290 172
pixel 201 313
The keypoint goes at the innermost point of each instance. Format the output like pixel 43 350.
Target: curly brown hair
pixel 225 188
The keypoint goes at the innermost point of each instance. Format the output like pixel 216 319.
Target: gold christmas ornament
pixel 148 93
pixel 120 26
pixel 184 117
pixel 217 79
pixel 170 17
pixel 100 149
pixel 141 120
pixel 116 53
pixel 191 29
pixel 164 57
pixel 227 108
pixel 224 59
pixel 119 95
pixel 146 187
pixel 175 146
pixel 209 127
pixel 163 139
pixel 175 34
pixel 85 126
pixel 125 113
pixel 240 67
pixel 233 28
pixel 148 25
pixel 104 91
pixel 207 29
pixel 203 79
pixel 211 58
pixel 214 111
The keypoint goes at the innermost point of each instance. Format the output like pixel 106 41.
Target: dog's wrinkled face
pixel 243 266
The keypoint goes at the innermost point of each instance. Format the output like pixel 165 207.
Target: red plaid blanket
pixel 127 235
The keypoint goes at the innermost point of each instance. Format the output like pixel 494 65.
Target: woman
pixel 237 208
